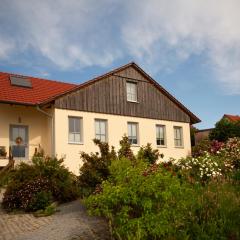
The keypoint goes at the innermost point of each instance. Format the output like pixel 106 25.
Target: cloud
pixel 6 48
pixel 68 33
pixel 170 32
pixel 159 34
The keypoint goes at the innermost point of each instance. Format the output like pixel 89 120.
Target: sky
pixel 191 48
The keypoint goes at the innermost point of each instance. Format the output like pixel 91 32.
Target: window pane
pixel 129 130
pixel 22 134
pixel 77 137
pixel 131 91
pixel 71 124
pixel 14 133
pixel 77 125
pixel 102 127
pixel 74 127
pixel 103 138
pixel 132 133
pixel 97 127
pixel 160 134
pixel 178 136
pixel 71 137
pixel 134 130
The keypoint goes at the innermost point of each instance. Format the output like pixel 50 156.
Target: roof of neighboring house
pixel 232 118
pixel 40 91
pixel 44 91
pixel 204 130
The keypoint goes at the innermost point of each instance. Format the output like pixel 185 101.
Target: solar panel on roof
pixel 20 81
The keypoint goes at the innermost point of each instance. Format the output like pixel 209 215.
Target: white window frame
pixel 131 89
pixel 159 138
pixel 100 135
pixel 131 137
pixel 176 138
pixel 75 133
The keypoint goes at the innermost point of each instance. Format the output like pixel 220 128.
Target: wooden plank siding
pixel 108 95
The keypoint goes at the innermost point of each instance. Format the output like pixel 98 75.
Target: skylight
pixel 20 81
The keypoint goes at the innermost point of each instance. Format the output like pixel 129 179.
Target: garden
pixel 192 198
pixel 141 197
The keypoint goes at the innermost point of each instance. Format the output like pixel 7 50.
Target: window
pixel 133 133
pixel 160 135
pixel 74 130
pixel 132 91
pixel 101 129
pixel 178 141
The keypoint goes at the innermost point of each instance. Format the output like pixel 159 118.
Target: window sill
pixel 179 147
pixel 135 145
pixel 161 146
pixel 76 143
pixel 132 101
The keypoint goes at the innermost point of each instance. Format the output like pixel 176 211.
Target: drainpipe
pixel 52 128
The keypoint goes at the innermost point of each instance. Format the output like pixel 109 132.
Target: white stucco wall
pixel 117 127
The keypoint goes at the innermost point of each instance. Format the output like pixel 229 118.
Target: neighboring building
pixel 64 118
pixel 202 134
pixel 231 118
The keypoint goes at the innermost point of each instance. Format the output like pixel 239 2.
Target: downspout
pixel 52 128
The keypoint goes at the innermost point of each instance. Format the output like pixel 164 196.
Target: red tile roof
pixel 232 118
pixel 41 90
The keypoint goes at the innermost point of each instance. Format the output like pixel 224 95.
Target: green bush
pixel 142 202
pixel 33 187
pixel 216 212
pixel 125 149
pixel 148 154
pixel 95 167
pixel 225 129
pixel 41 200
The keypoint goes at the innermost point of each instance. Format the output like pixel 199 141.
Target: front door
pixel 19 141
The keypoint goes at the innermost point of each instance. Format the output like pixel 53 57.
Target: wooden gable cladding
pixel 108 95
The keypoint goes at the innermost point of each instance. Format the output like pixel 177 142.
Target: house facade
pixel 66 118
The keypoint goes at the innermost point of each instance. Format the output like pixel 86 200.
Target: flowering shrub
pixel 143 201
pixel 212 147
pixel 31 187
pixel 26 196
pixel 202 168
pixel 231 151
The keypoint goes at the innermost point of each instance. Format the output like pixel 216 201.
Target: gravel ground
pixel 70 223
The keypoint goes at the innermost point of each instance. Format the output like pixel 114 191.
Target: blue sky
pixel 192 48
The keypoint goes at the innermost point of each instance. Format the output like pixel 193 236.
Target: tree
pixel 192 134
pixel 225 129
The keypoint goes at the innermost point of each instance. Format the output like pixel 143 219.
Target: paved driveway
pixel 70 223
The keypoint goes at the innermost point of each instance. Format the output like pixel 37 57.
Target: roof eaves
pixel 17 103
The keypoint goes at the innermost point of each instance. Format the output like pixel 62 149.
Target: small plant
pixel 48 211
pixel 40 200
pixel 125 150
pixel 148 154
pixel 3 152
pixel 95 167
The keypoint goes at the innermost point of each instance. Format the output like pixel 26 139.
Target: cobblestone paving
pixel 70 223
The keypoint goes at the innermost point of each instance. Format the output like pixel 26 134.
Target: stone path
pixel 70 223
